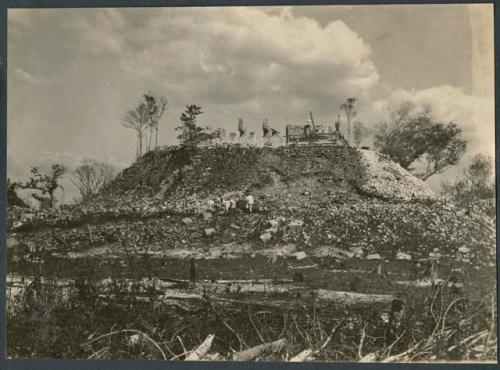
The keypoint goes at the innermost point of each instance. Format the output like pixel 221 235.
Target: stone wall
pixel 269 137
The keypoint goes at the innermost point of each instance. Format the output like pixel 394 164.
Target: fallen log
pixel 303 267
pixel 260 350
pixel 352 298
pixel 263 292
pixel 295 290
pixel 254 281
pixel 290 295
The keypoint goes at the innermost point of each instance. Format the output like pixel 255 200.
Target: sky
pixel 73 73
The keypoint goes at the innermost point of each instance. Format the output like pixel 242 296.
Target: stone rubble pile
pixel 313 205
pixel 388 180
pixel 372 229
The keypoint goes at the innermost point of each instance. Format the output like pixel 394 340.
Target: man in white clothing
pixel 250 202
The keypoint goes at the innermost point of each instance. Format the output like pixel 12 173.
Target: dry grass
pixel 434 327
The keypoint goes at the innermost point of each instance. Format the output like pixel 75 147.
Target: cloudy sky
pixel 73 73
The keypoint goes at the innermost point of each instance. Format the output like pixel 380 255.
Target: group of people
pixel 247 202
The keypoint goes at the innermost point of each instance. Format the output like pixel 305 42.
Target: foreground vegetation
pixel 438 323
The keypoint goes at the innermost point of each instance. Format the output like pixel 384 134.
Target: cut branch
pixel 202 350
pixel 260 350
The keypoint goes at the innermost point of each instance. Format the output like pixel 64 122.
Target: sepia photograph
pixel 309 183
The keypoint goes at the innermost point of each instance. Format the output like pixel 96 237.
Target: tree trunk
pixel 150 140
pixel 156 136
pixel 137 147
pixel 348 129
pixel 426 176
pixel 51 197
pixel 140 145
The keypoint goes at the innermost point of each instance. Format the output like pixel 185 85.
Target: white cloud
pixel 234 55
pixel 102 33
pixel 259 61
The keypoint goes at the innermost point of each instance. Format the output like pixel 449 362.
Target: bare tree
pixel 348 108
pixel 91 177
pixel 145 120
pixel 360 133
pixel 137 119
pixel 156 106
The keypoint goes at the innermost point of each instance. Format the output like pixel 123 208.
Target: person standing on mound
pixel 250 201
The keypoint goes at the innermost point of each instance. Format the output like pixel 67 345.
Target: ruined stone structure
pixel 241 127
pixel 321 134
pixel 270 136
pixel 295 134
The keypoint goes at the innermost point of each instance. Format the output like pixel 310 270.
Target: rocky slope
pixel 388 180
pixel 215 171
pixel 306 196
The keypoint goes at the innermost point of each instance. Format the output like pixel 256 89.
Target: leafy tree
pixel 392 137
pixel 46 184
pixel 412 135
pixel 445 148
pixel 478 177
pixel 348 108
pixel 12 198
pixel 91 177
pixel 190 133
pixel 475 183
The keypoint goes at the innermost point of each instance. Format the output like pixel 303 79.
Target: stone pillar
pixel 265 127
pixel 241 127
pixel 251 138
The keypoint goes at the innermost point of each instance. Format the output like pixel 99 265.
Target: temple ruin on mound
pixel 295 134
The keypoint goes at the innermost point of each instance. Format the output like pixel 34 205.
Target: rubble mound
pixel 369 226
pixel 306 196
pixel 291 179
pixel 176 173
pixel 388 180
